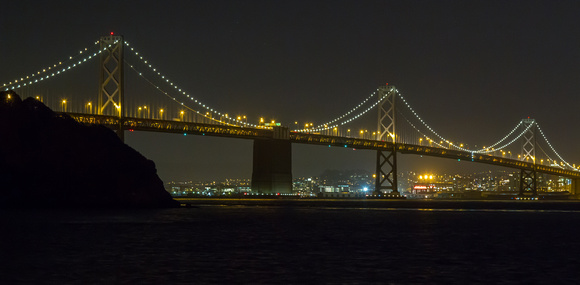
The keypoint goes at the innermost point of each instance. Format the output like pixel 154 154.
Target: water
pixel 285 244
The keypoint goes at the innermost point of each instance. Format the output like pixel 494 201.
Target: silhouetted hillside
pixel 50 161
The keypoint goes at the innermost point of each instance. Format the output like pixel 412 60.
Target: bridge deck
pixel 166 126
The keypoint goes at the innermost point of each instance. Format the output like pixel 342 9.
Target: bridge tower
pixel 386 167
pixel 112 85
pixel 528 177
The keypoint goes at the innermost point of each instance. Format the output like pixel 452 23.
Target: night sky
pixel 471 69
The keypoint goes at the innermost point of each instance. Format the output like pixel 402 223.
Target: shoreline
pixel 561 205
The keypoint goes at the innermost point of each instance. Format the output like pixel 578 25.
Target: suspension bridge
pixel 398 128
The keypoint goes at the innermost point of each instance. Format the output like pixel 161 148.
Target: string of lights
pixel 554 150
pixel 421 133
pixel 484 150
pixel 326 127
pixel 509 143
pixel 184 93
pixel 169 96
pixel 55 69
pixel 544 152
pixel 509 134
pixel 349 112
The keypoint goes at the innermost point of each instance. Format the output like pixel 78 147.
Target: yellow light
pixel 182 112
pixel 261 120
pixel 430 176
pixel 139 108
pixel 9 96
pixel 420 176
pixel 64 101
pixel 161 110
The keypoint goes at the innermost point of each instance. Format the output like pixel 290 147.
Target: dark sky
pixel 472 69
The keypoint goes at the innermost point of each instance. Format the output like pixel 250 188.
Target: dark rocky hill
pixel 52 161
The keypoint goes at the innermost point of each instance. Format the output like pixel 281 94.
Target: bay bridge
pixel 396 128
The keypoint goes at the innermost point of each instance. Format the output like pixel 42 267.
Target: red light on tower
pixel 112 33
pixel 387 84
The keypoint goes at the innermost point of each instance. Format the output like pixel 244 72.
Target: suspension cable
pixel 554 150
pixel 178 89
pixel 54 70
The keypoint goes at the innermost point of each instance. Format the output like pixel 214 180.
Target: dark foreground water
pixel 290 244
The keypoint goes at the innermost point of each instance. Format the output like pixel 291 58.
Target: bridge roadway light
pixel 181 115
pixel 160 113
pixel 64 105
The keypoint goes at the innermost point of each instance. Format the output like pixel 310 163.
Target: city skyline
pixel 464 66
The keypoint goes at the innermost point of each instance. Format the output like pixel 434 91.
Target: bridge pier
pixel 528 182
pixel 575 189
pixel 386 172
pixel 120 130
pixel 272 164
